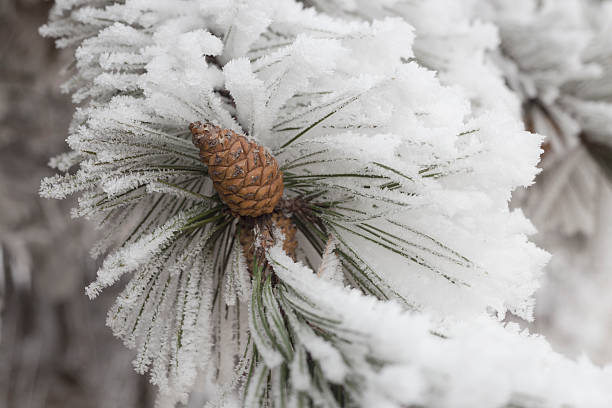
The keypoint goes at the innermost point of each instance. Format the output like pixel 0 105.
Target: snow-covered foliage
pixel 566 70
pixel 562 78
pixel 553 57
pixel 389 357
pixel 545 61
pixel 409 174
pixel 450 40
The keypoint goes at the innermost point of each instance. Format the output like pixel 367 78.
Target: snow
pixel 478 362
pixel 404 118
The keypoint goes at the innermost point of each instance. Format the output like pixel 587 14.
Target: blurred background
pixel 55 350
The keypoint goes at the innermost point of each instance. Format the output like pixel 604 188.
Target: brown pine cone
pixel 247 236
pixel 245 175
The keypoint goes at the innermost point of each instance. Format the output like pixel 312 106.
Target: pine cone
pixel 247 237
pixel 244 174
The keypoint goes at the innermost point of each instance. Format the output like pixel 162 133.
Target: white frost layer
pixel 480 362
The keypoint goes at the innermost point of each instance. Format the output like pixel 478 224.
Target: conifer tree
pixel 304 212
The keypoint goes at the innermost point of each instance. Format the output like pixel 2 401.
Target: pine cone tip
pixel 205 136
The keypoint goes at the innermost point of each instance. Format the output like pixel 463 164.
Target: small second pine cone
pixel 247 237
pixel 245 174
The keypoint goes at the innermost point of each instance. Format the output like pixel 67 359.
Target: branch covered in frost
pixel 316 342
pixel 410 177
